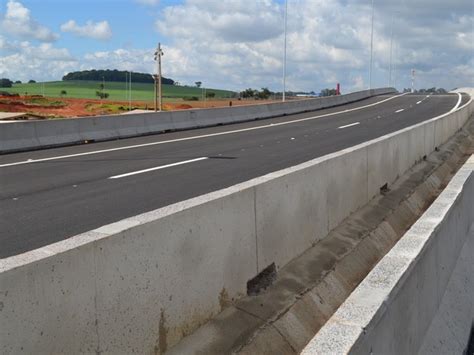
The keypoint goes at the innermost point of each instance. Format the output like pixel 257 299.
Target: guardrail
pixel 141 284
pixel 17 136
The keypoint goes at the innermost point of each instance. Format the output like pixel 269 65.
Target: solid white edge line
pixel 349 125
pixel 458 103
pixel 401 110
pixel 157 168
pixel 31 161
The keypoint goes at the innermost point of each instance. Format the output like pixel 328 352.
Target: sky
pixel 237 44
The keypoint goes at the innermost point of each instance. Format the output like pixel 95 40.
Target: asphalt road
pixel 50 195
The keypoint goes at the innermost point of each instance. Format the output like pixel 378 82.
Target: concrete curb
pixel 401 307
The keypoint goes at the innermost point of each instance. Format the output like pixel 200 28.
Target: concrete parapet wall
pixel 420 296
pixel 19 136
pixel 141 284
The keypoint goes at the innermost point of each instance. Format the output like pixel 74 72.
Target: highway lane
pixel 63 195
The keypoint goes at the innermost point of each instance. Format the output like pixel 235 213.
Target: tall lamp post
pixel 284 52
pixel 371 47
pixel 391 56
pixel 158 87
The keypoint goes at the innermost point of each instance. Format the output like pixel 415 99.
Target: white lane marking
pixel 157 168
pixel 458 103
pixel 419 102
pixel 349 125
pixel 401 110
pixel 198 137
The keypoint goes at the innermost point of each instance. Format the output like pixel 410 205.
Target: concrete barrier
pixel 420 297
pixel 19 136
pixel 141 284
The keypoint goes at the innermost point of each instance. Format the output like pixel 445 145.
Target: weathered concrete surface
pixel 126 287
pixel 309 289
pixel 37 134
pixel 143 283
pixel 420 297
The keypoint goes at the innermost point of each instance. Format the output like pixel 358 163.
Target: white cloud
pixel 148 2
pixel 241 42
pixel 18 22
pixel 98 30
pixel 24 61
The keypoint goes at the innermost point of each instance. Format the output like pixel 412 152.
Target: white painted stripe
pixel 458 103
pixel 31 161
pixel 157 168
pixel 419 102
pixel 349 125
pixel 401 110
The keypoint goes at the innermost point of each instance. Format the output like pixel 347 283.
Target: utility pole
pixel 371 47
pixel 391 56
pixel 158 85
pixel 412 81
pixel 284 53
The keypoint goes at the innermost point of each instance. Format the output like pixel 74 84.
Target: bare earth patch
pixel 72 108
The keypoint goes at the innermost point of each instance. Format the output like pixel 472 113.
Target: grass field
pixel 117 91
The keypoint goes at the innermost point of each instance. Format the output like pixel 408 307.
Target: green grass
pixel 117 91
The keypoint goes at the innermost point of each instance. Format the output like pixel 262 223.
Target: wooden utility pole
pixel 158 87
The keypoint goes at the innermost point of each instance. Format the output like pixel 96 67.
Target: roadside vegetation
pixel 117 90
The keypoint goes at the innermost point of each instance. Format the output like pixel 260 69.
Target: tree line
pixel 7 83
pixel 433 90
pixel 113 75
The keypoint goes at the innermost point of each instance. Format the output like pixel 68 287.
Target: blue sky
pixel 132 23
pixel 237 44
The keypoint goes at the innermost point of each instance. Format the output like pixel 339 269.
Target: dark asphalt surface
pixel 48 201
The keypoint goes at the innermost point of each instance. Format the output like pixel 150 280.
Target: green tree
pixel 63 93
pixel 248 93
pixel 198 84
pixel 264 94
pixel 31 81
pixel 5 83
pixel 102 95
pixel 328 92
pixel 113 75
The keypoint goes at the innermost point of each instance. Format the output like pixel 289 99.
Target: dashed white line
pixel 401 110
pixel 419 102
pixel 349 125
pixel 157 168
pixel 198 137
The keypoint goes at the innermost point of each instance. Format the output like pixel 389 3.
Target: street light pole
pixel 391 56
pixel 371 47
pixel 284 52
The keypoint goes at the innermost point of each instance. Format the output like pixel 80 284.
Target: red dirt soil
pixel 82 107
